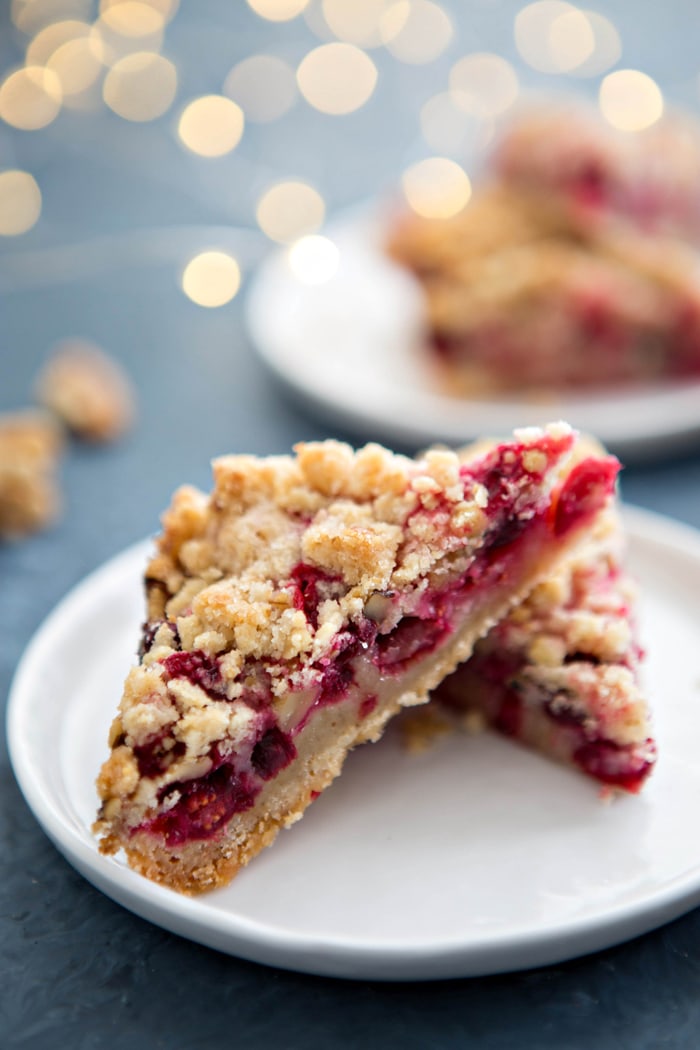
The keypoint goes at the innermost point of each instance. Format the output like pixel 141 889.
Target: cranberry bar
pixel 561 671
pixel 518 298
pixel 297 608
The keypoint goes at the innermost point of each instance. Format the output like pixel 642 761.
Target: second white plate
pixel 349 348
pixel 472 858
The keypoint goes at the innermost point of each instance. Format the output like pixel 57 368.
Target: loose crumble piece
pixel 297 608
pixel 87 390
pixel 30 447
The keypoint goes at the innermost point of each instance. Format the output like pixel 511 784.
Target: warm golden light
pixel 48 40
pixel 132 18
pixel 630 100
pixel 314 259
pixel 533 32
pixel 278 10
pixel 449 127
pixel 264 87
pixel 607 48
pixel 289 210
pixel 211 279
pixel 77 64
pixel 571 40
pixel 32 15
pixel 127 26
pixel 337 78
pixel 484 84
pixel 167 9
pixel 30 98
pixel 140 86
pixel 416 32
pixel 357 22
pixel 20 202
pixel 211 125
pixel 436 188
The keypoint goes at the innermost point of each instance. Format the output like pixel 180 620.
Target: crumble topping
pixel 258 585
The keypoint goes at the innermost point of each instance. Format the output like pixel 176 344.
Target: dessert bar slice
pixel 297 608
pixel 648 179
pixel 517 297
pixel 561 671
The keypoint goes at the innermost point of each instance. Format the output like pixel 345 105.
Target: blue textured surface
pixel 76 970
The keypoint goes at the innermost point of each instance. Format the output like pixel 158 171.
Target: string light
pixel 278 10
pixel 484 84
pixel 337 78
pixel 30 98
pixel 416 32
pixel 630 100
pixel 211 125
pixel 290 209
pixel 211 279
pixel 42 46
pixel 20 202
pixel 264 87
pixel 436 188
pixel 29 16
pixel 358 22
pixel 140 86
pixel 607 48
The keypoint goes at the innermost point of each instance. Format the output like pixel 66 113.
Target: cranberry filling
pixel 608 762
pixel 509 719
pixel 411 638
pixel 153 757
pixel 273 752
pixel 199 668
pixel 306 579
pixel 368 705
pixel 205 805
pixel 148 634
pixel 584 492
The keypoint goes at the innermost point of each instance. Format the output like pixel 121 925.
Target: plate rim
pixel 498 952
pixel 668 416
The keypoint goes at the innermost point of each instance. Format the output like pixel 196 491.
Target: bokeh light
pixel 20 202
pixel 358 22
pixel 132 18
pixel 140 86
pixel 607 49
pixel 41 47
pixel 167 9
pixel 417 31
pixel 337 78
pixel 30 98
pixel 211 125
pixel 211 278
pixel 630 100
pixel 571 40
pixel 533 33
pixel 449 128
pixel 436 188
pixel 289 210
pixel 314 259
pixel 484 84
pixel 77 64
pixel 278 10
pixel 32 15
pixel 264 86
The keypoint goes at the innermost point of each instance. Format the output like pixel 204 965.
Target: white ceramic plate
pixel 350 349
pixel 473 858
